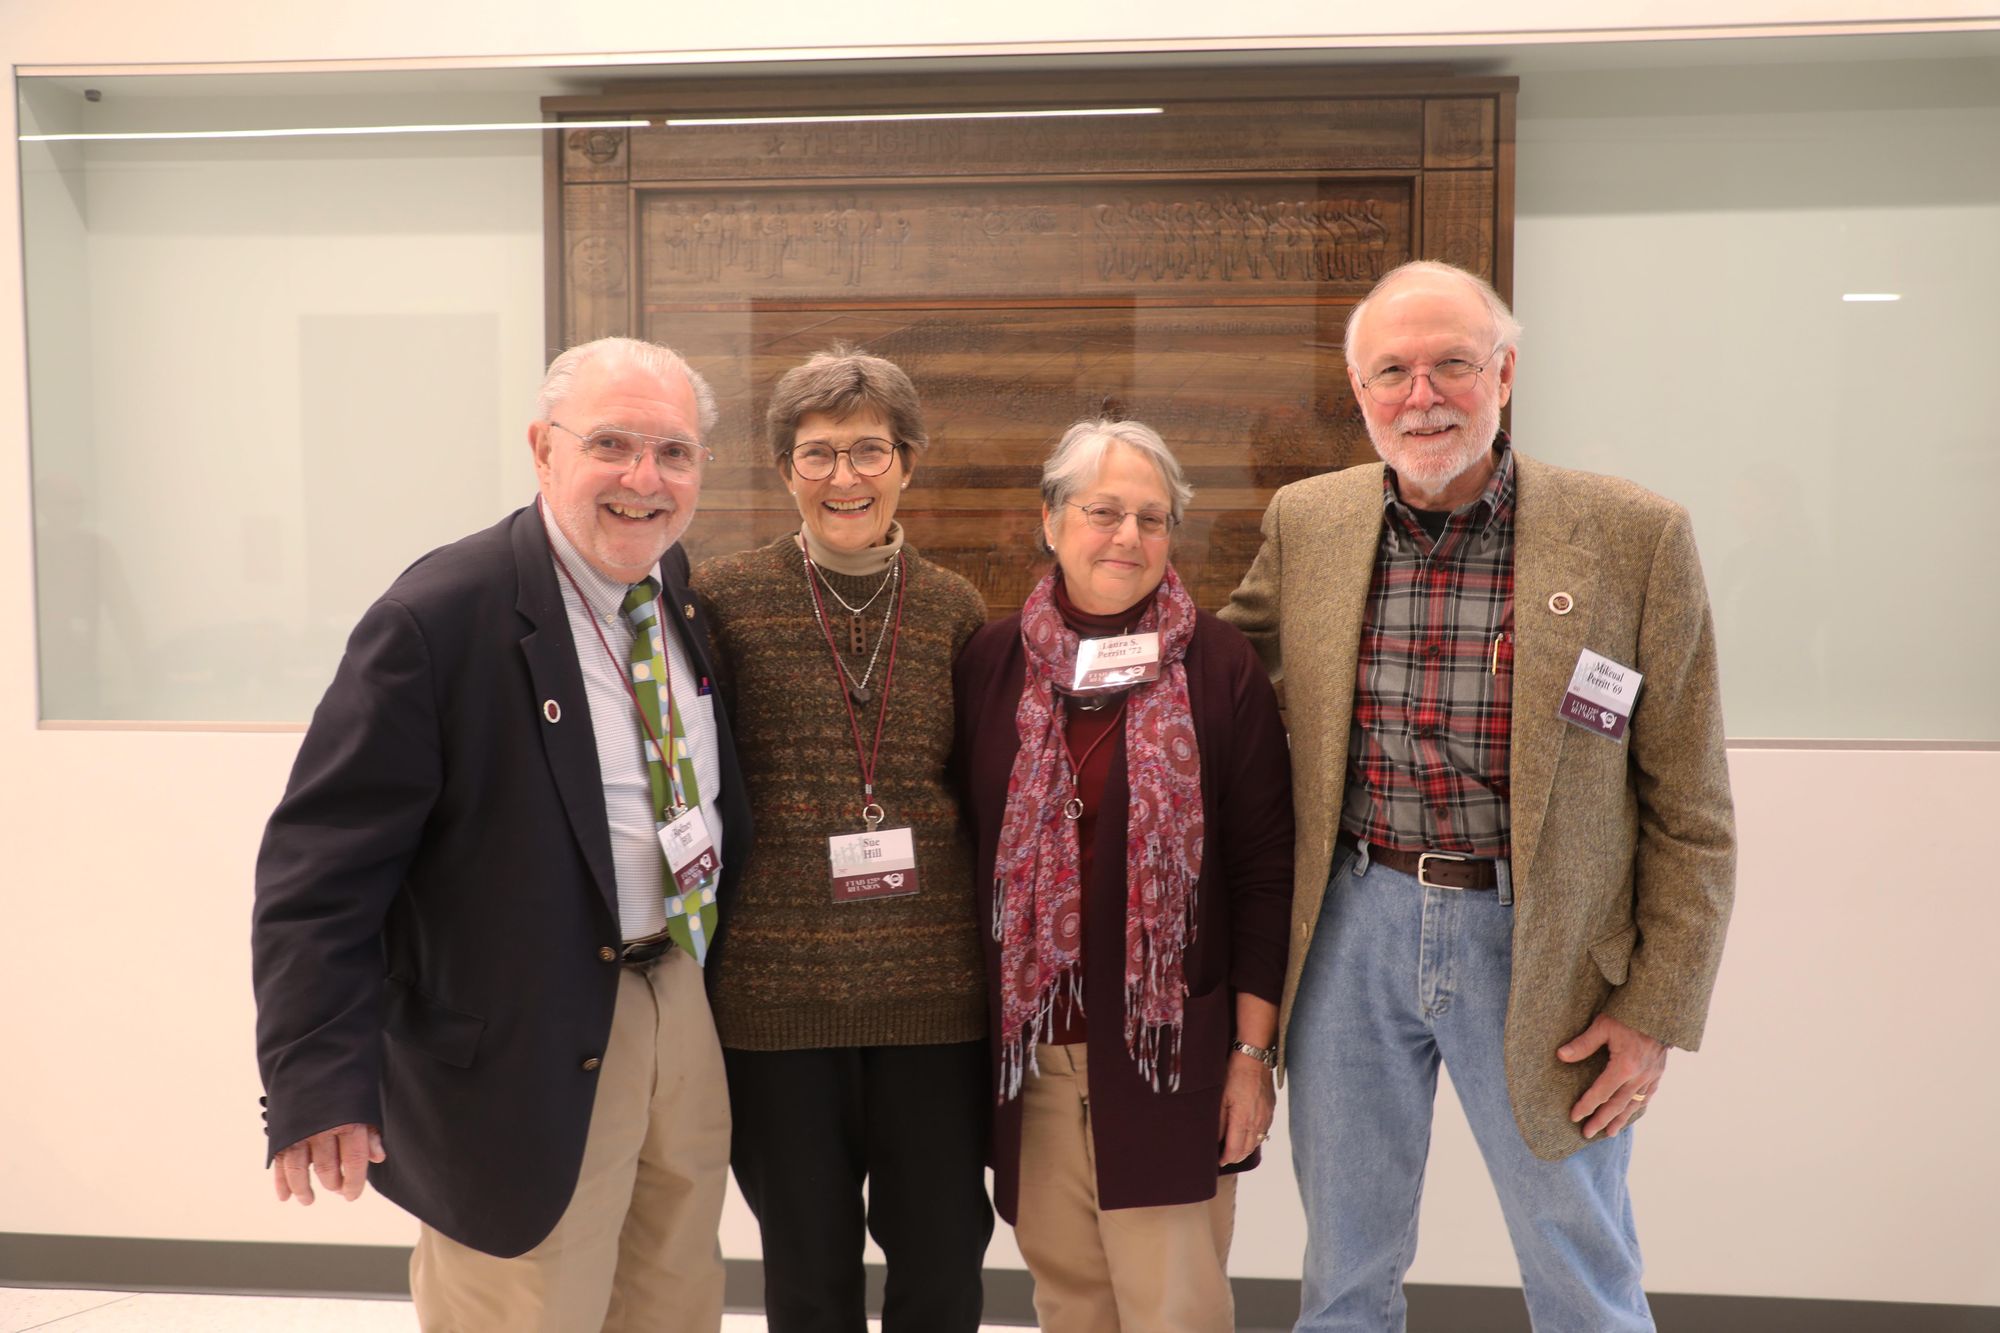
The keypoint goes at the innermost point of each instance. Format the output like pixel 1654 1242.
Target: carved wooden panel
pixel 1193 270
pixel 1370 133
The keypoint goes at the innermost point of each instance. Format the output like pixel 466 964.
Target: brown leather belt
pixel 642 954
pixel 1436 870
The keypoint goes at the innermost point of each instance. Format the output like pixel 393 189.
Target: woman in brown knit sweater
pixel 847 983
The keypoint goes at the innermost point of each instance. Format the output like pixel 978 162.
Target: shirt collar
pixel 1496 498
pixel 601 593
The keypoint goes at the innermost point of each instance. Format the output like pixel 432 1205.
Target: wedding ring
pixel 1638 1096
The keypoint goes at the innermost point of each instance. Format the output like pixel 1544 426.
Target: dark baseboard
pixel 1263 1305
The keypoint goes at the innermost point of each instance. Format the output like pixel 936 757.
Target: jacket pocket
pixel 1613 953
pixel 421 1021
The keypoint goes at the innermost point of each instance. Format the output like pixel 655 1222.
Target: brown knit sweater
pixel 792 969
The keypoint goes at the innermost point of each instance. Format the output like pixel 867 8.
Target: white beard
pixel 1432 467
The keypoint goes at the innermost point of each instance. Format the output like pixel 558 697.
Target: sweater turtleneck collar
pixel 869 560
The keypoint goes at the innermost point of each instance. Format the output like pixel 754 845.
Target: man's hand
pixel 1632 1076
pixel 1248 1102
pixel 340 1156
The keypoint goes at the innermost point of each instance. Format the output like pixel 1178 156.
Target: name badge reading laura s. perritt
pixel 1113 664
pixel 691 854
pixel 1600 696
pixel 881 863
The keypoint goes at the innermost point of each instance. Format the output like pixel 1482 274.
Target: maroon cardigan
pixel 1152 1148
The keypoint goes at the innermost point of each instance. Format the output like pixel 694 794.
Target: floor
pixel 23 1308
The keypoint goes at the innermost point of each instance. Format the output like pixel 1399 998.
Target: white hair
pixel 1506 329
pixel 662 363
pixel 1079 457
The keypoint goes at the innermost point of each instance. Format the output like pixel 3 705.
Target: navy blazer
pixel 435 892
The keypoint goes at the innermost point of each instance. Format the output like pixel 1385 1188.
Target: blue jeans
pixel 1401 976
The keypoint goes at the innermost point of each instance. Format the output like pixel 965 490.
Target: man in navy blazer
pixel 467 990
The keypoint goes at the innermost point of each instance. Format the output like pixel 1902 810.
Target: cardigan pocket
pixel 1613 953
pixel 1207 1022
pixel 422 1022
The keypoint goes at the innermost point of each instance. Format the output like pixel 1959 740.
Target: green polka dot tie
pixel 690 913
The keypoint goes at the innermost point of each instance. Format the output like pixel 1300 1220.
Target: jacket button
pixel 592 1063
pixel 608 954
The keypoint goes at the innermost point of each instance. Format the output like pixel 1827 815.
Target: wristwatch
pixel 1266 1056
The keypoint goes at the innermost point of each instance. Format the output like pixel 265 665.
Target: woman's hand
pixel 1249 1100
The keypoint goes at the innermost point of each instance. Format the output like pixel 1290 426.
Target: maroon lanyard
pixel 872 813
pixel 624 672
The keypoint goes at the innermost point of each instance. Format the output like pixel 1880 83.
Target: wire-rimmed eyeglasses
pixel 869 456
pixel 622 448
pixel 1395 383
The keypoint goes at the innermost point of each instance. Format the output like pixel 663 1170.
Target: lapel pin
pixel 687 609
pixel 552 710
pixel 1561 602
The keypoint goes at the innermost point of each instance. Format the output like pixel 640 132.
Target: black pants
pixel 810 1126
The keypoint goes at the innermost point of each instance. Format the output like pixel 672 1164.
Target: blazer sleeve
pixel 333 858
pixel 1685 865
pixel 1253 607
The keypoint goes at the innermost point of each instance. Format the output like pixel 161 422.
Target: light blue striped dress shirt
pixel 621 756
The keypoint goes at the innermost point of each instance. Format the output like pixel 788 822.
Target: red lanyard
pixel 871 813
pixel 1073 807
pixel 667 760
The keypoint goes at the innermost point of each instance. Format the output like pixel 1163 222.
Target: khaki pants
pixel 637 1247
pixel 1116 1270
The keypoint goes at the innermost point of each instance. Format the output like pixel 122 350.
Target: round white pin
pixel 552 710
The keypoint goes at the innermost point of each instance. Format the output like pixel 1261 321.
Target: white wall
pixel 1832 1141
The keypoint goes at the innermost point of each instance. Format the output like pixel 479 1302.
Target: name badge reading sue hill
pixel 1112 664
pixel 878 864
pixel 1601 695
pixel 691 855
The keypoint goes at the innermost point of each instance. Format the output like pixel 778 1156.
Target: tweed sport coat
pixel 1623 855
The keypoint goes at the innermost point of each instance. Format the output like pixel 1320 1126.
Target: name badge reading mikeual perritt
pixel 1114 663
pixel 1600 696
pixel 881 863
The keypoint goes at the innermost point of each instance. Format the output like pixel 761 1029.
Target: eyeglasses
pixel 1110 518
pixel 1392 386
pixel 623 448
pixel 870 456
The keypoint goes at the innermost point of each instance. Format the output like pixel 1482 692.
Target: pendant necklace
pixel 857 688
pixel 854 612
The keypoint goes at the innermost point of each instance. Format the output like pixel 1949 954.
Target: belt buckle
pixel 1424 860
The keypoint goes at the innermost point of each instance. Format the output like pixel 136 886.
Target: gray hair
pixel 838 383
pixel 1079 457
pixel 1506 329
pixel 662 363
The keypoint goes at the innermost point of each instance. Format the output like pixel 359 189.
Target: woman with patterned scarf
pixel 1127 778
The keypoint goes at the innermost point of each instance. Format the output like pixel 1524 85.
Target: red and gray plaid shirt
pixel 1427 750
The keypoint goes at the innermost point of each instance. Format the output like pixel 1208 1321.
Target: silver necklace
pixel 853 610
pixel 858 689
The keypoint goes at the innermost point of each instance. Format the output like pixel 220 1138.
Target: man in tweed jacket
pixel 1507 861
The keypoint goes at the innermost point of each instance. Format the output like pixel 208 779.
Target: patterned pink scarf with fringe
pixel 1038 896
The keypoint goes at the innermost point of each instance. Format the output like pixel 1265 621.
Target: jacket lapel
pixel 1343 567
pixel 569 742
pixel 1546 645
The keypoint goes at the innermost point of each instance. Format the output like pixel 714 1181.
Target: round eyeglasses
pixel 1395 384
pixel 1110 518
pixel 870 456
pixel 622 448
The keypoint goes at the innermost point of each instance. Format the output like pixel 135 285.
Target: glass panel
pixel 266 374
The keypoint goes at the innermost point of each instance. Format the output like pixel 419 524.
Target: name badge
pixel 881 863
pixel 1113 664
pixel 691 854
pixel 1601 694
